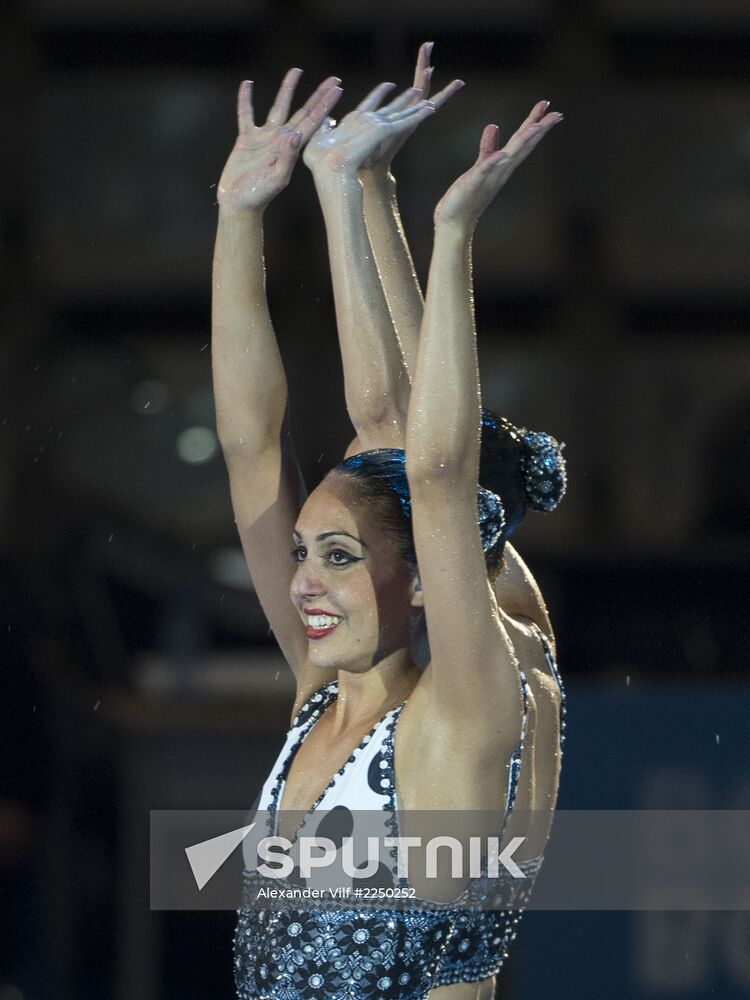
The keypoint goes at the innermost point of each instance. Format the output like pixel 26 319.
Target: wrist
pixel 336 181
pixel 453 229
pixel 379 176
pixel 233 213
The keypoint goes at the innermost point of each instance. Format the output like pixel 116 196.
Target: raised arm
pixel 384 227
pixel 249 381
pixel 465 625
pixel 516 589
pixel 442 459
pixel 375 381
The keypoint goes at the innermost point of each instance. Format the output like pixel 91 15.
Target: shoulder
pixel 528 634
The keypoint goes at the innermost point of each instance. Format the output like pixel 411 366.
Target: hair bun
pixel 544 470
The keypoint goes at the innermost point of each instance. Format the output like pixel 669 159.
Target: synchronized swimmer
pixel 422 651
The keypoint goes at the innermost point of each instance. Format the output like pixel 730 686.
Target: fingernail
pixel 429 46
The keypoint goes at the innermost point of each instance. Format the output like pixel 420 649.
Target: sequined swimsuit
pixel 370 954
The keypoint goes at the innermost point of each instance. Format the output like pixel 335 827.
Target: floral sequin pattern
pixel 336 954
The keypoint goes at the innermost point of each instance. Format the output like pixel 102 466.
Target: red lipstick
pixel 319 633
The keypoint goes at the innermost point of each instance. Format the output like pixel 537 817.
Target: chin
pixel 331 662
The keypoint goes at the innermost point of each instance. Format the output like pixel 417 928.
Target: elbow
pixel 439 470
pixel 249 442
pixel 379 424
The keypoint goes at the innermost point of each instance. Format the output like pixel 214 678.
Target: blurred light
pixel 228 567
pixel 149 399
pixel 196 445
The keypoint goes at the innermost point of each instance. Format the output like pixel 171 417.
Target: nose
pixel 307 583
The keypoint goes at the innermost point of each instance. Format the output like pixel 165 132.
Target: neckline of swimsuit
pixel 332 691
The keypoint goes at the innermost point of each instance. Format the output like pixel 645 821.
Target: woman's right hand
pixel 261 162
pixel 380 161
pixel 359 138
pixel 466 199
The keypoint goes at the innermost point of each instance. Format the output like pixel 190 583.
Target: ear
pixel 417 601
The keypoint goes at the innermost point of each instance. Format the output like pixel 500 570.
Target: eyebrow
pixel 330 534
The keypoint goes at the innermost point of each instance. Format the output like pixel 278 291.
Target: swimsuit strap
pixel 552 664
pixel 316 703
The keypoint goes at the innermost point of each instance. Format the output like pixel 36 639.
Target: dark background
pixel 612 308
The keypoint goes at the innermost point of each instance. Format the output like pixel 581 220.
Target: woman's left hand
pixel 466 199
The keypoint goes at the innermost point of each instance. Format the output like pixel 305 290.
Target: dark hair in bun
pixel 524 468
pixel 517 468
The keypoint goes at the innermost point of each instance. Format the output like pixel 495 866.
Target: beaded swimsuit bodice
pixel 368 954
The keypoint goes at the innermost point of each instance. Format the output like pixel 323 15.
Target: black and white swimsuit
pixel 369 954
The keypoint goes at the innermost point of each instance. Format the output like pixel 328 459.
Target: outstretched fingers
pixel 411 97
pixel 414 113
pixel 489 142
pixel 280 108
pixel 531 132
pixel 446 93
pixel 316 108
pixel 423 78
pixel 319 113
pixel 372 101
pixel 423 70
pixel 245 115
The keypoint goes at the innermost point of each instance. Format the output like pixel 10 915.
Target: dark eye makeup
pixel 342 558
pixel 336 557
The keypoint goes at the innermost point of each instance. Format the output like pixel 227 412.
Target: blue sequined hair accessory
pixel 491 517
pixel 544 471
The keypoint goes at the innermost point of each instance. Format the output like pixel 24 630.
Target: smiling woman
pixel 398 542
pixel 350 572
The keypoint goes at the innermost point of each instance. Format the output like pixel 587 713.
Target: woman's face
pixel 352 589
